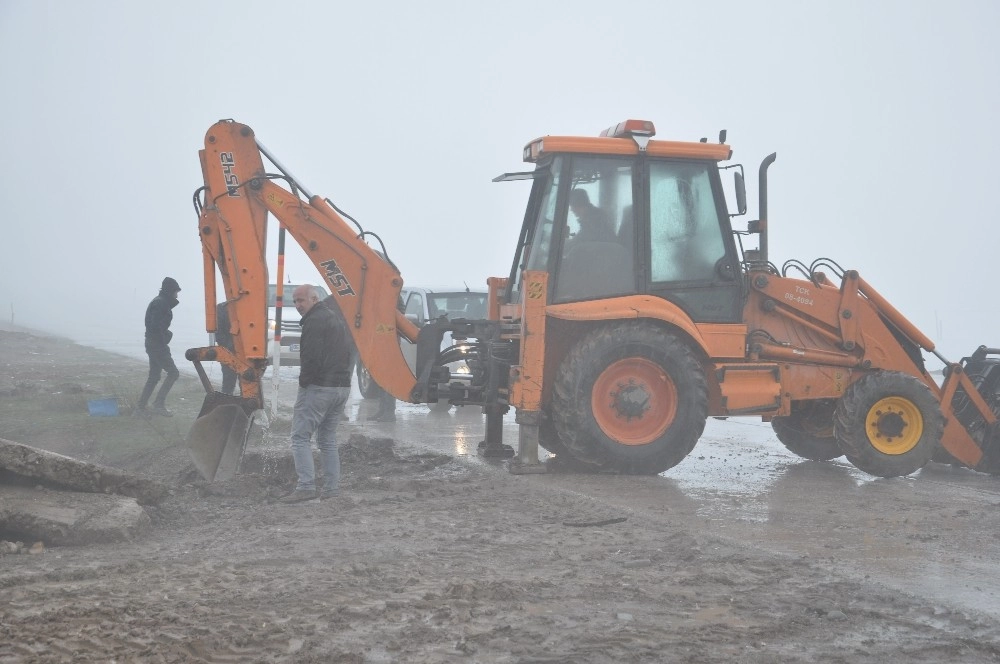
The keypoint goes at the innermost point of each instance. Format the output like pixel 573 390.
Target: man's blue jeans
pixel 317 410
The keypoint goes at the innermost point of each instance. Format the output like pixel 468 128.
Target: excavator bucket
pixel 218 437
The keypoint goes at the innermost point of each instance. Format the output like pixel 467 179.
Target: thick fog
pixel 882 116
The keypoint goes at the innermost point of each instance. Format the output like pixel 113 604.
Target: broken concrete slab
pixel 63 471
pixel 70 517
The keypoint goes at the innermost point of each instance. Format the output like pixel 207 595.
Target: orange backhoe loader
pixel 632 312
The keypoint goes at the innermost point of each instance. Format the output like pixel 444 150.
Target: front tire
pixel 630 398
pixel 808 431
pixel 888 424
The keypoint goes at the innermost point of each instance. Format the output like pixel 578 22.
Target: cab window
pixel 415 309
pixel 596 259
pixel 457 305
pixel 540 243
pixel 686 238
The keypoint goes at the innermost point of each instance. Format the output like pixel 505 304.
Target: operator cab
pixel 621 214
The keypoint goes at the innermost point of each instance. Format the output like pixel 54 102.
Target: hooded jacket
pixel 159 317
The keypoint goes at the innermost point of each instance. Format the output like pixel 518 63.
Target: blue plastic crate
pixel 103 407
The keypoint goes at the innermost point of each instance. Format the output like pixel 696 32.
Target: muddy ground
pixel 424 558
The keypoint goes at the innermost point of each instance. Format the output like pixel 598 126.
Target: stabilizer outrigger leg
pixel 493 447
pixel 527 462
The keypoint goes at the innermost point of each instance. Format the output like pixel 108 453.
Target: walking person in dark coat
pixel 158 335
pixel 224 338
pixel 324 387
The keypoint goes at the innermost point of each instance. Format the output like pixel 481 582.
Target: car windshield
pixel 286 294
pixel 457 305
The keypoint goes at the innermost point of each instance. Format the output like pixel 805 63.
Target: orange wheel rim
pixel 634 401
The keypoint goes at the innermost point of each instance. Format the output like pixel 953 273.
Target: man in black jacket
pixel 158 335
pixel 324 386
pixel 331 303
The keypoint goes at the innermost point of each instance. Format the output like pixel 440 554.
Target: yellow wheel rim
pixel 894 425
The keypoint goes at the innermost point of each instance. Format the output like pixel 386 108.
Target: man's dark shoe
pixel 141 413
pixel 298 496
pixel 383 417
pixel 162 411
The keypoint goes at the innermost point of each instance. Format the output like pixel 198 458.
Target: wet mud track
pixel 742 553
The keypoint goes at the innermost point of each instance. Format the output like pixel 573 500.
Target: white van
pixel 422 305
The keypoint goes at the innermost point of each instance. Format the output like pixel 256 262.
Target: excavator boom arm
pixel 233 229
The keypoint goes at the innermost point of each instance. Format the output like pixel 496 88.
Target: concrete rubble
pixel 62 501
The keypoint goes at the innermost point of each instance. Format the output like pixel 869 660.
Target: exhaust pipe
pixel 762 201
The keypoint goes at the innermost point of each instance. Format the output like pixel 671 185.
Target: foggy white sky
pixel 882 115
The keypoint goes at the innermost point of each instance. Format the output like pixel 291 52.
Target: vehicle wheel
pixel 888 424
pixel 564 460
pixel 440 406
pixel 548 437
pixel 630 398
pixel 366 384
pixel 808 431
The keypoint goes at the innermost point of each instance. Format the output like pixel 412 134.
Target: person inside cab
pixel 595 223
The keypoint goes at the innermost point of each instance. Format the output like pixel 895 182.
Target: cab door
pixel 593 246
pixel 690 255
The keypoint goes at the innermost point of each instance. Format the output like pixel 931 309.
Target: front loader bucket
pixel 218 437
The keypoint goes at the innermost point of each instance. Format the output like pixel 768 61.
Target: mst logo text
pixel 336 278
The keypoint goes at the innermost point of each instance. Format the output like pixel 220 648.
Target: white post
pixel 276 378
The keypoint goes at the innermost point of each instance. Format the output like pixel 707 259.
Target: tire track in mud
pixel 427 560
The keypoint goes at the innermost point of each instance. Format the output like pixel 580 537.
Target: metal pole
pixel 278 296
pixel 284 171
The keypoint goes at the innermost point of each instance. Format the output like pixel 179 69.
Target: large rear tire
pixel 888 424
pixel 548 437
pixel 808 431
pixel 630 398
